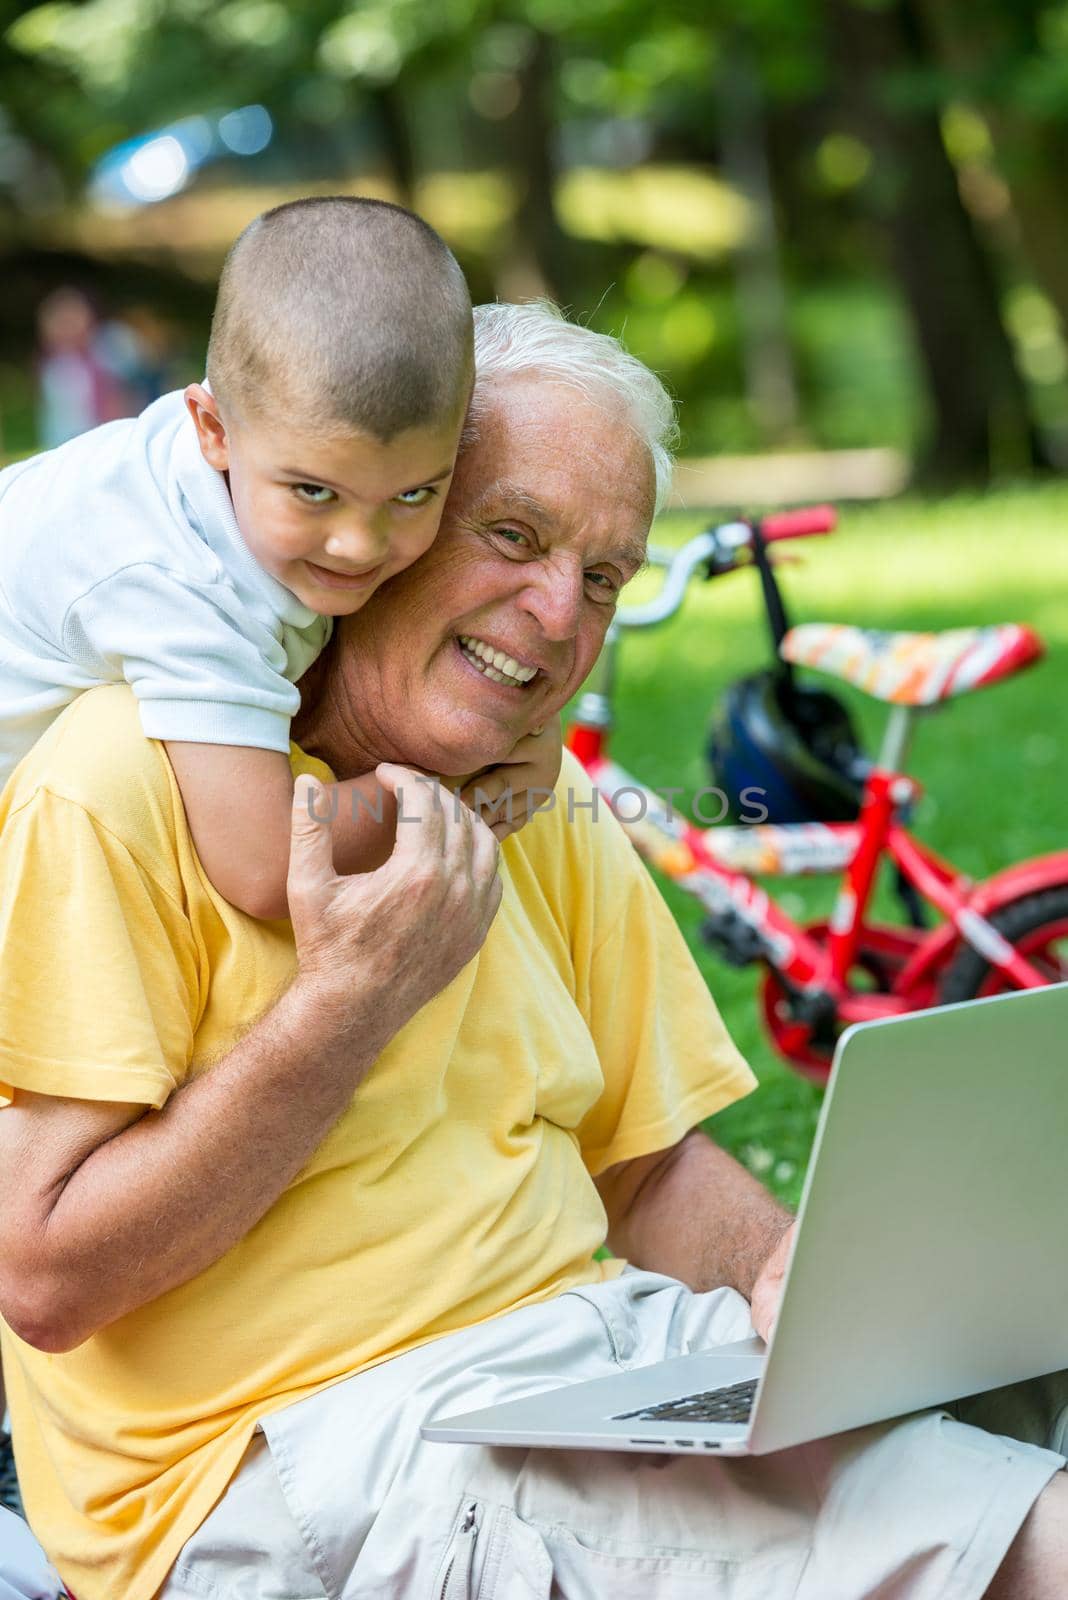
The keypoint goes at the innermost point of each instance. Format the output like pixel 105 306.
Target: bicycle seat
pixel 913 669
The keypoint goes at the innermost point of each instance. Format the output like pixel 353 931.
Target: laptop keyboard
pixel 712 1405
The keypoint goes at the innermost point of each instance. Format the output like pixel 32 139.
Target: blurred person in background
pixel 137 348
pixel 76 390
pixel 90 370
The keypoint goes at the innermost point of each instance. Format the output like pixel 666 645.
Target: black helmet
pixel 796 744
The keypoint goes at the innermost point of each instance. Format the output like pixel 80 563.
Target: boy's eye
pixel 314 494
pixel 415 497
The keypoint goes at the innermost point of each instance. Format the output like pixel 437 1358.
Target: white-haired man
pixel 283 1193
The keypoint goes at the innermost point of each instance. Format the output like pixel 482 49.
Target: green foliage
pixel 856 367
pixel 580 148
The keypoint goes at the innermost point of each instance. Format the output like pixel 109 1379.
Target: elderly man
pixel 271 1195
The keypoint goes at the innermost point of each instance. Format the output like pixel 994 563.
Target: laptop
pixel 929 1261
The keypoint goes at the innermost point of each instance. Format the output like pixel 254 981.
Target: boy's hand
pixel 506 796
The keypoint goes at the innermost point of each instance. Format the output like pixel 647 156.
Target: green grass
pixel 994 764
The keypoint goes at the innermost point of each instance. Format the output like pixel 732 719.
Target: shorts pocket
pixel 517 1565
pixel 584 1571
pixel 493 1555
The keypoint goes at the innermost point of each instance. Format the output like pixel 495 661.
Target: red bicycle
pixel 1010 931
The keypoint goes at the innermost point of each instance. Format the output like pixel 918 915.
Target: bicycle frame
pixel 815 968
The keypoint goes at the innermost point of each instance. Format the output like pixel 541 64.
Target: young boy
pixel 200 551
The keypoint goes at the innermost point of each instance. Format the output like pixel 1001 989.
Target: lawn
pixel 994 764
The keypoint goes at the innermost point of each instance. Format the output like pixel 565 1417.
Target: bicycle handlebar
pixel 716 550
pixel 798 524
pixel 680 569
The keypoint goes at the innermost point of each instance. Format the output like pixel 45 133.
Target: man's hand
pixel 83 1184
pixel 694 1213
pixel 767 1291
pixel 403 932
pixel 509 794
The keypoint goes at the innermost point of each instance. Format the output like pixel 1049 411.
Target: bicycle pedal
pixel 734 940
pixel 9 1483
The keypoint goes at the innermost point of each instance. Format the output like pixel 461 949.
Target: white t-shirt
pixel 121 559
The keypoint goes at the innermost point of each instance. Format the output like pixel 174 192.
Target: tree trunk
pixel 982 417
pixel 387 101
pixel 1031 152
pixel 768 361
pixel 539 258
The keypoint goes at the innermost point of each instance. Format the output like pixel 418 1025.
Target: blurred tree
pixel 514 89
pixel 1010 61
pixel 769 367
pixel 395 137
pixel 559 101
pixel 982 413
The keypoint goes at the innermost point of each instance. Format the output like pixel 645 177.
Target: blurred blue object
pixel 156 165
pixel 246 131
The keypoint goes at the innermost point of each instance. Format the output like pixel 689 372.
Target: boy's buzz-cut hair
pixel 341 313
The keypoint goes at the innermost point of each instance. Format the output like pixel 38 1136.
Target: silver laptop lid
pixel 938 1191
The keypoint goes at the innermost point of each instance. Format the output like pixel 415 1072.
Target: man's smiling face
pixel 489 634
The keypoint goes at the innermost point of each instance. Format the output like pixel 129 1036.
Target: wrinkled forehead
pixel 559 454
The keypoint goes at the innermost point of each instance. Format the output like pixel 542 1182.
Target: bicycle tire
pixel 969 972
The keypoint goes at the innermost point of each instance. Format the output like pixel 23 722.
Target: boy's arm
pixel 238 802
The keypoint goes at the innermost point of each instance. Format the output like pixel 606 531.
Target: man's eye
pixel 314 494
pixel 415 497
pixel 604 584
pixel 513 537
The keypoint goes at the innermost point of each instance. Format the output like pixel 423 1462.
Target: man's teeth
pixel 494 663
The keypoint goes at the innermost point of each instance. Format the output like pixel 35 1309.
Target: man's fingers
pixel 485 871
pixel 311 859
pixel 392 776
pixel 485 855
pixel 767 1291
pixel 421 810
pixel 762 1312
pixel 438 832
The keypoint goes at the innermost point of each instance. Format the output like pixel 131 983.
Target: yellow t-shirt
pixel 456 1187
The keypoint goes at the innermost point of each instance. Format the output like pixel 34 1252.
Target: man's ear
pixel 211 430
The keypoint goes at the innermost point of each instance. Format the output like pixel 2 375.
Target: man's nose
pixel 554 598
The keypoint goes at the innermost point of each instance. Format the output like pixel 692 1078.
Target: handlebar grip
pixel 798 524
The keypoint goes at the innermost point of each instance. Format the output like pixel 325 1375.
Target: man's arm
pixel 693 1213
pixel 103 1208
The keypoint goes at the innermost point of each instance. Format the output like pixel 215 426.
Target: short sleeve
pixel 667 1059
pixel 98 968
pixel 203 667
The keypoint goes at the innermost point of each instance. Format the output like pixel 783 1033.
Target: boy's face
pixel 330 517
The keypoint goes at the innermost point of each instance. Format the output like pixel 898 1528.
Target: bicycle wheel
pixel 1037 926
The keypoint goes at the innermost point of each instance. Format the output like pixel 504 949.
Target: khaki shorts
pixel 338 1498
pixel 25 1571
